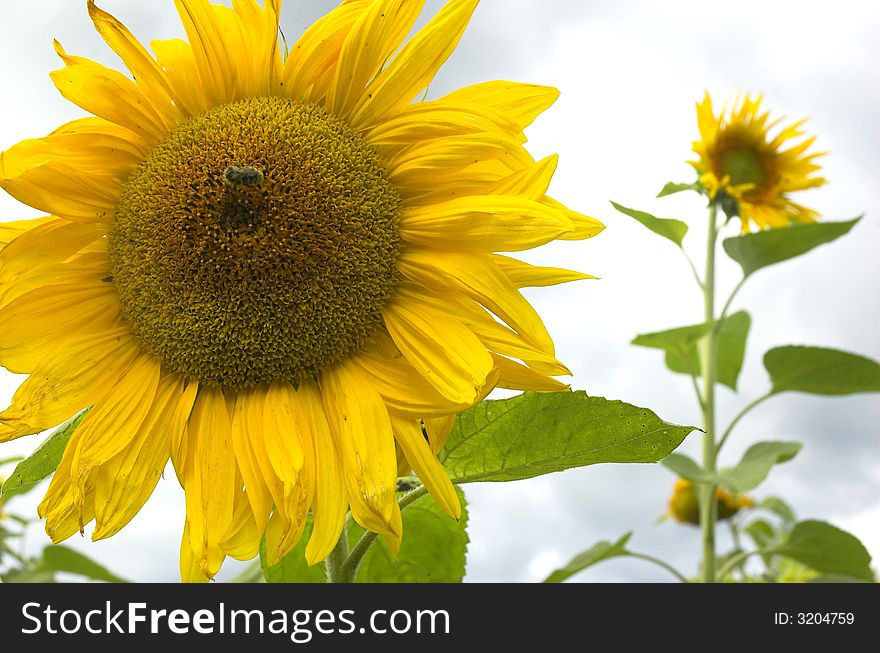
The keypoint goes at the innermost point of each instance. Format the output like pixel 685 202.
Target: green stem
pixel 352 561
pixel 740 557
pixel 335 563
pixel 730 299
pixel 736 419
pixel 709 356
pixel 693 269
pixel 660 563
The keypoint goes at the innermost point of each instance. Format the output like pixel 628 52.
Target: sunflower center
pixel 744 165
pixel 257 242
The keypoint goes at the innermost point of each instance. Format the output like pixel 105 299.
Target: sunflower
pixel 279 269
pixel 739 159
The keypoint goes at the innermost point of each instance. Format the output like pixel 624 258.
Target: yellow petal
pixel 426 121
pixel 176 58
pixel 149 75
pixel 63 190
pixel 402 388
pixel 190 564
pixel 59 388
pixel 41 322
pixel 583 225
pixel 124 484
pixel 330 503
pixel 516 376
pixel 9 231
pixel 116 420
pixel 362 432
pixel 311 62
pixel 411 439
pixel 410 72
pixel 440 348
pixel 47 243
pixel 438 430
pixel 420 166
pixel 242 540
pixel 374 37
pixel 484 223
pixel 208 48
pixel 246 435
pixel 525 275
pixel 110 95
pixel 209 479
pixel 479 278
pixel 521 102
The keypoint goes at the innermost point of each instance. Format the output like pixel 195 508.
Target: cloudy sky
pixel 629 73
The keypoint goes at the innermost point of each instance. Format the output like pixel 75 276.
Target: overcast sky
pixel 629 73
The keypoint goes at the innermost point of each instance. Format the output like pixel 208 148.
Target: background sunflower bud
pixel 683 506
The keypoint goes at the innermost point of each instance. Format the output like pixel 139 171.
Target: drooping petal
pixel 209 478
pixel 330 503
pixel 411 439
pixel 362 429
pixel 124 484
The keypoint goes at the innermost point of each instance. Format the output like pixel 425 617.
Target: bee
pixel 235 176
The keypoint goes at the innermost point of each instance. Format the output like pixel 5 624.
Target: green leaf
pixel 60 558
pixel 433 550
pixel 836 578
pixel 597 553
pixel 758 250
pixel 827 549
pixel 762 533
pixel 674 230
pixel 43 462
pixel 683 353
pixel 539 433
pixel 293 568
pixel 756 464
pixel 672 187
pixel 821 371
pixel 778 507
pixel 686 468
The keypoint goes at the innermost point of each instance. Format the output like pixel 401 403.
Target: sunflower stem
pixel 709 356
pixel 334 565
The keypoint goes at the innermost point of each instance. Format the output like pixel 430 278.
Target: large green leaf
pixel 758 250
pixel 821 371
pixel 683 352
pixel 539 433
pixel 674 230
pixel 61 558
pixel 433 550
pixel 293 568
pixel 43 462
pixel 597 553
pixel 827 549
pixel 672 187
pixel 756 464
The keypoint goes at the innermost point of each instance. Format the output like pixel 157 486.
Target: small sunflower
pixel 684 505
pixel 739 158
pixel 275 268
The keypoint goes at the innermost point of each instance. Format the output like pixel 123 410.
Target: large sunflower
pixel 739 158
pixel 274 268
